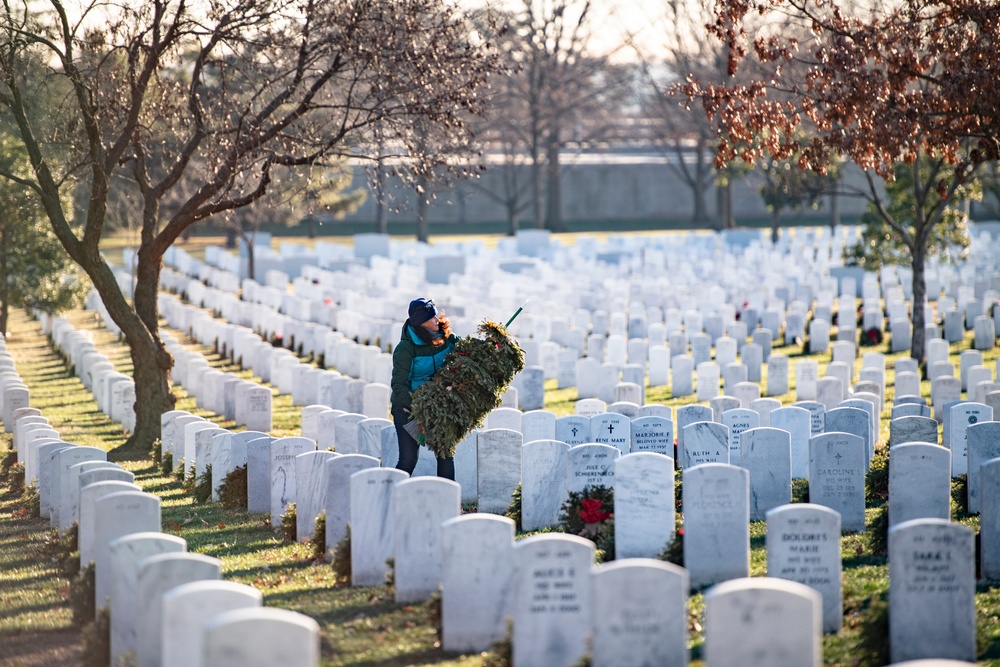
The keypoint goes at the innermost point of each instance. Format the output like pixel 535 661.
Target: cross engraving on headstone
pixel 611 428
pixel 574 431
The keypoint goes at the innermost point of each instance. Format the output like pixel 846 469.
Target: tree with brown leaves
pixel 914 81
pixel 209 99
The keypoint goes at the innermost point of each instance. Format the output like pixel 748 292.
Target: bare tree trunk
pixel 729 222
pixel 4 286
pixel 775 225
pixel 151 361
pixel 553 186
pixel 381 218
pixel 536 190
pixel 249 240
pixel 512 220
pixel 720 208
pixel 699 215
pixel 918 254
pixel 834 210
pixel 422 235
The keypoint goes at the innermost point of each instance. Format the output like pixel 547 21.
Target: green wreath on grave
pixel 466 388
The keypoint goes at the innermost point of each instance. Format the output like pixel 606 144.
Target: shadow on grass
pixel 35 608
pixel 127 452
pixel 227 550
pixel 28 579
pixel 58 644
pixel 401 660
pixel 863 560
pixel 371 611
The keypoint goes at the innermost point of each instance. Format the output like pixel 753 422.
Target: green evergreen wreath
pixel 469 385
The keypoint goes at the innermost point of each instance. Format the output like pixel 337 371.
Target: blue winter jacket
pixel 414 362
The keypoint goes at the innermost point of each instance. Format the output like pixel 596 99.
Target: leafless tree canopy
pixel 195 103
pixel 221 92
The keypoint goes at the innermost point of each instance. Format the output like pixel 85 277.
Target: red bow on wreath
pixel 591 512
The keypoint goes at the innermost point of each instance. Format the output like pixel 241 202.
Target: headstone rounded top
pixel 159 559
pixel 147 535
pixel 762 583
pixel 793 508
pixel 478 518
pixel 212 586
pixel 555 538
pixel 429 482
pixel 252 615
pixel 643 563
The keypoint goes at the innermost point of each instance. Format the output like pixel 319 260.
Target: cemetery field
pixel 360 626
pixel 196 245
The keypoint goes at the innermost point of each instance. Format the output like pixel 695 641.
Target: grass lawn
pixel 361 626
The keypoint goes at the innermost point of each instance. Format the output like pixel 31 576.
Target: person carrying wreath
pixel 424 342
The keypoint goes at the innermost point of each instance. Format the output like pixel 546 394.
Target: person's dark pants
pixel 409 449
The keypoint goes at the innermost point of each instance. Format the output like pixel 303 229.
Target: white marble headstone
pixel 716 501
pixel 419 508
pixel 477 581
pixel 552 599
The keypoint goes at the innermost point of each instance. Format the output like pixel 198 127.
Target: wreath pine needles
pixel 467 387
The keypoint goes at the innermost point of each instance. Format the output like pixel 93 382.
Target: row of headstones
pixel 167 607
pixel 650 428
pixel 633 611
pixel 530 382
pixel 971 369
pixel 803 383
pixel 823 304
pixel 732 375
pixel 245 402
pixel 14 393
pixel 720 319
pixel 497 459
pixel 279 289
pixel 271 278
pixel 286 470
pixel 113 391
pixel 98 511
pixel 249 403
pixel 361 387
pixel 244 345
pixel 257 636
pixel 548 469
pixel 594 379
pixel 702 440
pixel 297 321
pixel 597 325
pixel 303 330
